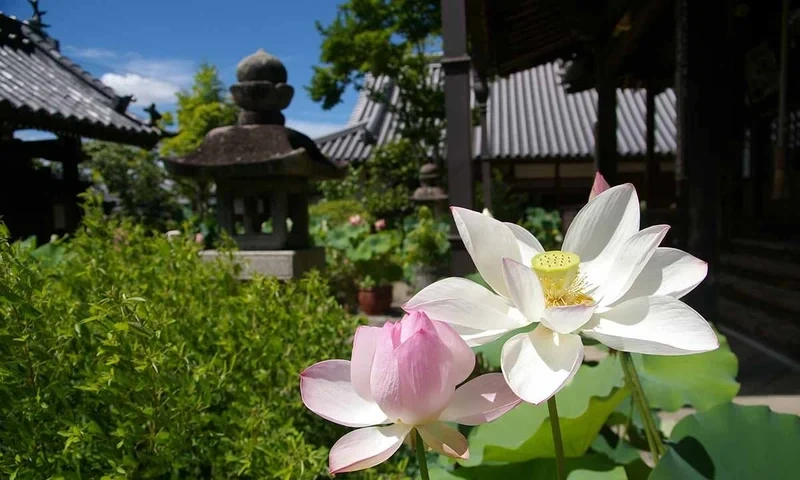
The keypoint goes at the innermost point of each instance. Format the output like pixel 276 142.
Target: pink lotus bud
pixel 380 224
pixel 198 237
pixel 403 374
pixel 599 186
pixel 355 219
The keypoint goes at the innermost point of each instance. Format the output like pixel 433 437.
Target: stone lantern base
pixel 283 264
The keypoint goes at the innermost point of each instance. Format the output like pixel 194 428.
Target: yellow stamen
pixel 558 274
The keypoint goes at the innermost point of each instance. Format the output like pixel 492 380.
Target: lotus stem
pixel 558 444
pixel 422 459
pixel 637 392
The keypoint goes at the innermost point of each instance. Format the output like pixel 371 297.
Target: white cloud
pixel 178 72
pixel 149 80
pixel 314 129
pixel 146 90
pixel 90 53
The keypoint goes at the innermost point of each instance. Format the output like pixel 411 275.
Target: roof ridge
pixel 39 41
pixel 342 131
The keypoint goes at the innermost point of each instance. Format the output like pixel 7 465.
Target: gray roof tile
pixel 41 88
pixel 530 116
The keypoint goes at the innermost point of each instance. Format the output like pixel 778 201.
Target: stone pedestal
pixel 283 264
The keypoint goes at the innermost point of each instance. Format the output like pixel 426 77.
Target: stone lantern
pixel 262 171
pixel 429 193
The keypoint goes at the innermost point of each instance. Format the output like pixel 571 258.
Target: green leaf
pixel 672 466
pixel 524 433
pixel 587 467
pixel 702 380
pixel 742 442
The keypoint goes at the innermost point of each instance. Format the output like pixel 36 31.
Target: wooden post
pixel 606 128
pixel 456 65
pixel 651 162
pixel 704 130
pixel 779 172
pixel 71 158
pixel 481 87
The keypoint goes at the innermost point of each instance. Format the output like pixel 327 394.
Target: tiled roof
pixel 42 89
pixel 530 116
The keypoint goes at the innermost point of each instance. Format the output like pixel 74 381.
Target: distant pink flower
pixel 355 219
pixel 599 186
pixel 380 224
pixel 402 377
pixel 198 237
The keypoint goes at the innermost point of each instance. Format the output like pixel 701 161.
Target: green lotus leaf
pixel 741 442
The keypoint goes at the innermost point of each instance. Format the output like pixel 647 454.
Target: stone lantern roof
pixel 259 145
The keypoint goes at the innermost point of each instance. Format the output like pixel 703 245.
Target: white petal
pixel 635 253
pixel 567 319
pixel 480 400
pixel 529 246
pixel 366 447
pixel 598 231
pixel 525 289
pixel 487 240
pixel 653 325
pixel 463 303
pixel 326 390
pixel 670 272
pixel 444 439
pixel 538 364
pixel 476 338
pixel 364 343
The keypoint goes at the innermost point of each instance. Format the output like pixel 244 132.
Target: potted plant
pixel 425 248
pixel 372 255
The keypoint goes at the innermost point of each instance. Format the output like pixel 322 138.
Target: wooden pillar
pixel 606 128
pixel 481 87
pixel 651 162
pixel 456 65
pixel 779 173
pixel 703 136
pixel 72 156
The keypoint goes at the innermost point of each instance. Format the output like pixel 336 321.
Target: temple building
pixel 43 90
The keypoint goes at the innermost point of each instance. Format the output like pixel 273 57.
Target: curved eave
pixel 25 117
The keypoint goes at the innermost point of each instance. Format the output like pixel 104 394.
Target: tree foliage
pixel 374 38
pixel 200 109
pixel 137 179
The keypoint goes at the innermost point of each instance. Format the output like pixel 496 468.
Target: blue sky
pixel 150 48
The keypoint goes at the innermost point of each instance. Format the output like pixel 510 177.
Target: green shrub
pixel 122 355
pixel 337 212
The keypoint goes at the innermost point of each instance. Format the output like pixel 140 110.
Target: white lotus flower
pixel 611 282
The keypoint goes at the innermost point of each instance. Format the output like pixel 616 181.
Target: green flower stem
pixel 422 459
pixel 637 392
pixel 557 442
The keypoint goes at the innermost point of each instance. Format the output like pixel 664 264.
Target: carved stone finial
pixel 262 91
pixel 429 190
pixel 261 66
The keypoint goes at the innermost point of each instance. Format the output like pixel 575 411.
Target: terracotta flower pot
pixel 375 301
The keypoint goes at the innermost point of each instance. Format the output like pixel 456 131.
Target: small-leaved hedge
pixel 123 355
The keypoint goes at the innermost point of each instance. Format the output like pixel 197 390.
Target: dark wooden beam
pixel 705 100
pixel 606 129
pixel 481 87
pixel 70 157
pixel 55 150
pixel 456 65
pixel 779 174
pixel 627 42
pixel 652 169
